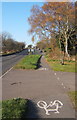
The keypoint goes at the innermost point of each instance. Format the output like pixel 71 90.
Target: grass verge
pixel 15 108
pixel 0 110
pixel 73 96
pixel 69 66
pixel 28 62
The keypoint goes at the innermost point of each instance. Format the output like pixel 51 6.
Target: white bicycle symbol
pixel 57 104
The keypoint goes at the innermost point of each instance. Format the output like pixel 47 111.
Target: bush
pixel 15 108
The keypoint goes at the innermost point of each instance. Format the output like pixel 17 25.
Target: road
pixel 38 85
pixel 11 60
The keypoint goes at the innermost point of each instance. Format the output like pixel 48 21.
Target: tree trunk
pixel 62 58
pixel 61 55
pixel 66 36
pixel 66 47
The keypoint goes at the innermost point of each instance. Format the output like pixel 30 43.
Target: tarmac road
pixel 10 60
pixel 40 85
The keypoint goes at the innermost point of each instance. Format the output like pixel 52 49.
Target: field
pixel 69 66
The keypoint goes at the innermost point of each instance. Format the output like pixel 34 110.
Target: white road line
pixel 62 84
pixel 43 69
pixel 6 73
pixel 64 87
pixel 58 78
pixel 55 73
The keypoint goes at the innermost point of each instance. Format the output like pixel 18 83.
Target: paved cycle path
pixel 42 84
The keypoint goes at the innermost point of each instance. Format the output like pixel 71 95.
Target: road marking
pixel 64 87
pixel 43 69
pixel 6 73
pixel 62 84
pixel 58 78
pixel 43 105
pixel 55 73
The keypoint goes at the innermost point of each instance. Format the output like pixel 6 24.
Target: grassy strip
pixel 28 62
pixel 15 108
pixel 69 66
pixel 0 110
pixel 73 96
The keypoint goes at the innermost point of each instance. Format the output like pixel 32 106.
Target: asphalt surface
pixel 11 60
pixel 41 84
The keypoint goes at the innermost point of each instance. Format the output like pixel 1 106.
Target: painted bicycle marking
pixel 57 104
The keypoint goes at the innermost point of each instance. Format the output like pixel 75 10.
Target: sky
pixel 15 19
